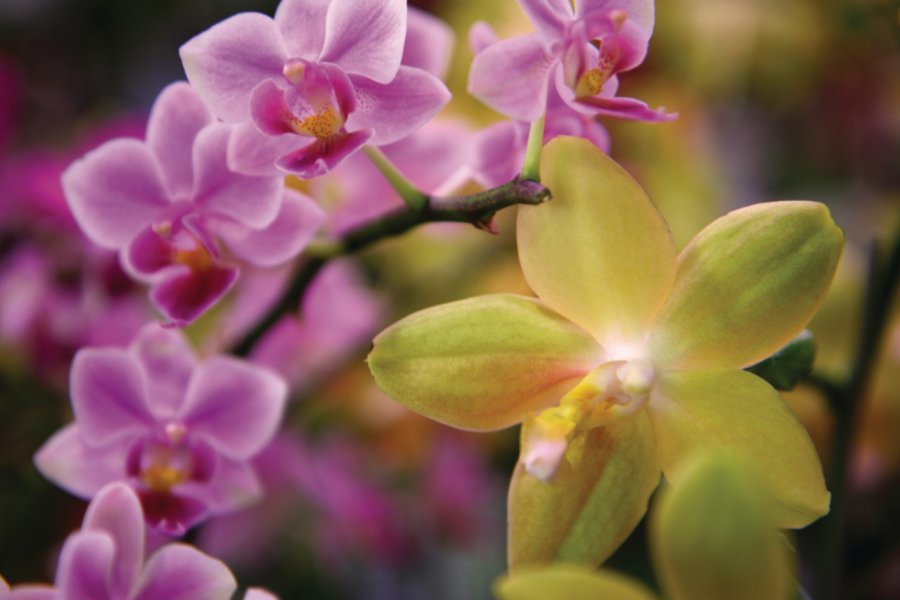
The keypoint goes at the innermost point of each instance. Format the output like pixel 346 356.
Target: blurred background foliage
pixel 777 99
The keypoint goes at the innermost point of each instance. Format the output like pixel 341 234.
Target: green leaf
pixel 784 369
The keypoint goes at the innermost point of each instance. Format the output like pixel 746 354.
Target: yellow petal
pixel 746 285
pixel 595 499
pixel 736 412
pixel 599 253
pixel 569 582
pixel 482 363
pixel 714 537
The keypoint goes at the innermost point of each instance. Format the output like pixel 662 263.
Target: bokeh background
pixel 778 99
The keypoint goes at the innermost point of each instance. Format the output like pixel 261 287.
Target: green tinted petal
pixel 482 363
pixel 596 498
pixel 714 536
pixel 599 253
pixel 569 582
pixel 746 285
pixel 736 412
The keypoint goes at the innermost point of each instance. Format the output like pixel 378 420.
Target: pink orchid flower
pixel 181 432
pixel 321 79
pixel 580 52
pixel 166 204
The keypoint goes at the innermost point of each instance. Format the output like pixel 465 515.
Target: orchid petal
pixel 181 572
pixel 746 285
pixel 365 37
pixel 736 412
pixel 233 406
pixel 481 35
pixel 497 152
pixel 321 156
pixel 77 468
pixel 512 77
pixel 185 294
pixel 115 191
pixel 252 153
pixel 108 391
pixel 147 254
pixel 624 108
pixel 234 486
pixel 252 201
pixel 429 43
pixel 482 363
pixel 177 117
pixel 32 592
pixel 713 536
pixel 84 565
pixel 225 62
pixel 284 238
pixel 641 12
pixel 397 109
pixel 569 581
pixel 302 26
pixel 599 253
pixel 550 17
pixel 166 354
pixel 597 496
pixel 116 511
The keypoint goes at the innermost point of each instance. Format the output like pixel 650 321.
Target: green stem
pixel 846 402
pixel 477 209
pixel 531 169
pixel 413 198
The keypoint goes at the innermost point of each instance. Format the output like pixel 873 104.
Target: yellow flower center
pixel 591 82
pixel 612 391
pixel 323 124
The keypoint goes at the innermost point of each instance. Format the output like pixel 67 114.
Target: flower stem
pixel 477 209
pixel 846 400
pixel 531 169
pixel 412 197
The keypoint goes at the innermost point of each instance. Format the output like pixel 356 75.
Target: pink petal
pixel 269 109
pixel 185 294
pixel 108 390
pixel 177 117
pixel 180 572
pixel 429 43
pixel 498 152
pixel 322 155
pixel 147 254
pixel 81 470
pixel 252 153
pixel 259 594
pixel 626 108
pixel 365 37
pixel 234 406
pixel 170 513
pixel 32 592
pixel 512 77
pixel 639 11
pixel 85 564
pixel 302 25
pixel 283 239
pixel 550 17
pixel 253 201
pixel 115 191
pixel 233 487
pixel 225 62
pixel 165 353
pixel 395 110
pixel 481 35
pixel 116 511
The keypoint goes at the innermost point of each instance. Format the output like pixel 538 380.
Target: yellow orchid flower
pixel 630 359
pixel 713 537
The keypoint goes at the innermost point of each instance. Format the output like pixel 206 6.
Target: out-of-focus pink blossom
pixel 319 80
pixel 105 560
pixel 579 51
pixel 181 432
pixel 352 516
pixel 338 314
pixel 166 204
